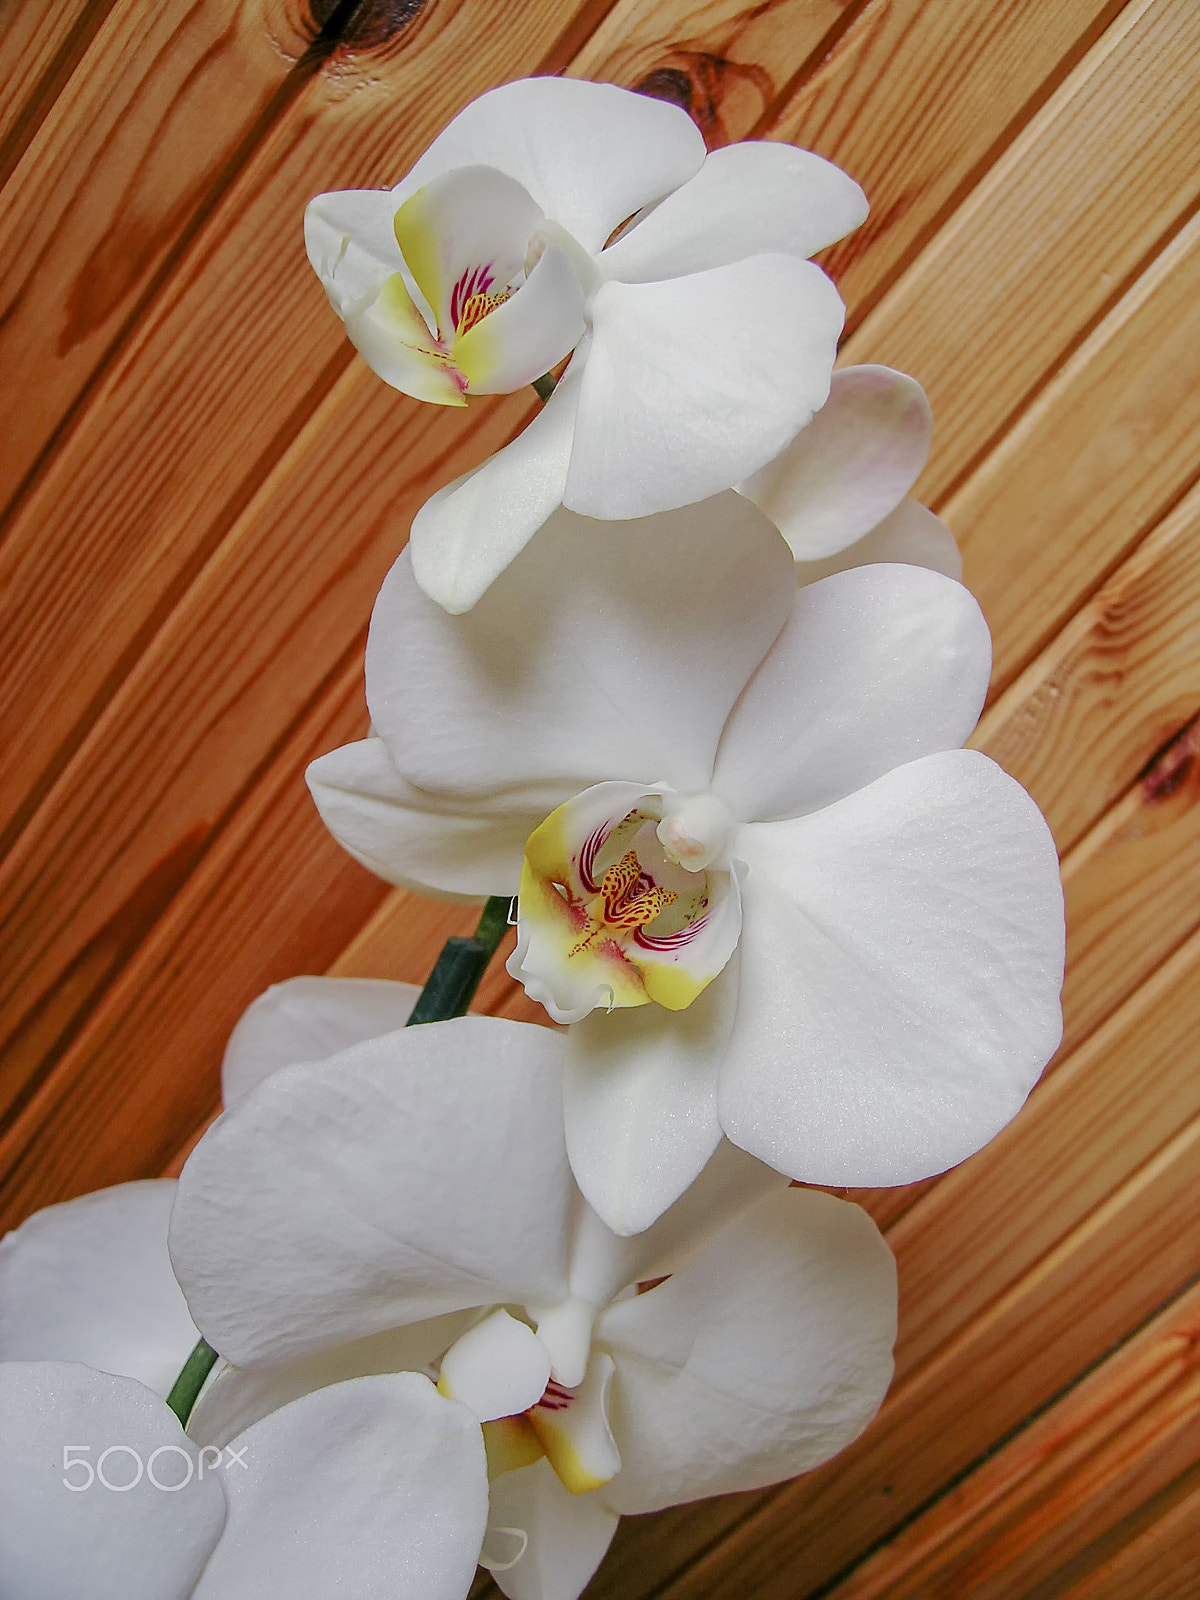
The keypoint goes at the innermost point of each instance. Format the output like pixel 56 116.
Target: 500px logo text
pixel 119 1467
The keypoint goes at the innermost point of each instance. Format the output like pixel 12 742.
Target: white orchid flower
pixel 407 1202
pixel 742 800
pixel 491 262
pixel 378 1484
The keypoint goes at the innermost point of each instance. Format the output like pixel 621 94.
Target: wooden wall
pixel 204 490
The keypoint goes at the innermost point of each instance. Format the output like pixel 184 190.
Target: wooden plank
pixel 40 43
pixel 1120 1098
pixel 1128 1430
pixel 914 99
pixel 274 897
pixel 1112 689
pixel 1130 888
pixel 1129 1256
pixel 1161 1563
pixel 1058 224
pixel 725 62
pixel 157 470
pixel 208 702
pixel 137 145
pixel 1099 457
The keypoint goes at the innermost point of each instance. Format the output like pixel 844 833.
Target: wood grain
pixel 1112 688
pixel 118 177
pixel 1127 1431
pixel 1098 458
pixel 157 470
pixel 1062 219
pixel 727 64
pixel 1130 887
pixel 1162 1561
pixel 41 42
pixel 1130 1255
pixel 913 99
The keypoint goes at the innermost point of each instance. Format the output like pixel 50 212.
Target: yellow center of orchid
pixel 628 900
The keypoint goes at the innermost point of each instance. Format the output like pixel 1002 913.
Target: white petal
pixel 530 333
pixel 411 1175
pixel 590 154
pixel 606 651
pixel 416 839
pixel 748 348
pixel 901 962
pixel 464 233
pixel 465 535
pixel 352 245
pixel 90 1280
pixel 498 1368
pixel 133 1541
pixel 639 1099
pixel 567 1535
pixel 307 1019
pixel 240 1396
pixel 876 666
pixel 911 536
pixel 392 337
pixel 747 199
pixel 852 464
pixel 372 1488
pixel 764 1355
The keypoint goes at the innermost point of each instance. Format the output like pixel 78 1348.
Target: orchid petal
pixel 465 535
pixel 237 1397
pixel 527 335
pixel 378 1187
pixel 465 233
pixel 764 1355
pixel 875 667
pixel 131 1539
pixel 373 1488
pixel 352 246
pixel 498 1368
pixel 307 1019
pixel 852 464
pixel 901 963
pixel 90 1280
pixel 392 338
pixel 590 154
pixel 750 346
pixel 571 1425
pixel 605 651
pixel 639 1101
pixel 748 199
pixel 416 839
pixel 567 1535
pixel 910 536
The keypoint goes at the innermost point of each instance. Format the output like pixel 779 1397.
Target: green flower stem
pixel 545 386
pixel 188 1384
pixel 459 969
pixel 448 992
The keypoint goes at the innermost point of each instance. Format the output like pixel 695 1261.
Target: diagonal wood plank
pixel 1099 457
pixel 1058 224
pixel 1127 1431
pixel 1130 888
pixel 914 98
pixel 208 702
pixel 41 42
pixel 1161 1562
pixel 1133 1253
pixel 725 63
pixel 1120 680
pixel 157 469
pixel 299 900
pixel 117 178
